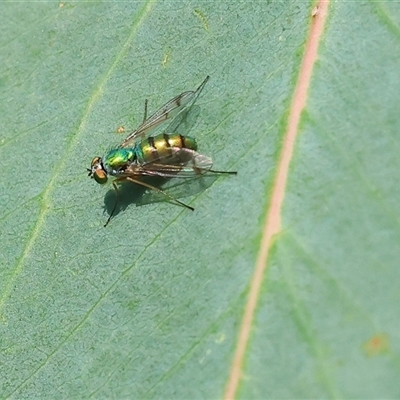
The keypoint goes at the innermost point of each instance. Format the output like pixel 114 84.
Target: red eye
pixel 100 176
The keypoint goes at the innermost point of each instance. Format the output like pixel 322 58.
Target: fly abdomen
pixel 161 146
pixel 177 140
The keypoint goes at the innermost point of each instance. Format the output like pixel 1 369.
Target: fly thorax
pixel 137 154
pixel 118 159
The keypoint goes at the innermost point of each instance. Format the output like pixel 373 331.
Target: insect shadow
pixel 132 193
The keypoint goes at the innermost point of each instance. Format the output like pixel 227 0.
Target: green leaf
pixel 327 321
pixel 151 306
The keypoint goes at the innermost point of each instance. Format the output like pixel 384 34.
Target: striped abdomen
pixel 163 146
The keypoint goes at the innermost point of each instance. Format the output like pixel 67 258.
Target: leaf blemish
pixel 166 58
pixel 376 345
pixel 202 18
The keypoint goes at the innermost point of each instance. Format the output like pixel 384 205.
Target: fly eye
pixel 95 162
pixel 100 176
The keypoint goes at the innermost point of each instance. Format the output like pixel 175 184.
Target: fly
pixel 167 155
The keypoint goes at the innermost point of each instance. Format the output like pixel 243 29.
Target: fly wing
pixel 181 163
pixel 169 110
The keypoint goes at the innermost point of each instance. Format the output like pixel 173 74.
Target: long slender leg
pixel 145 110
pixel 172 171
pixel 130 179
pixel 115 205
pixel 222 172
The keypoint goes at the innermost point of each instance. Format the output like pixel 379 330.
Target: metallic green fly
pixel 166 155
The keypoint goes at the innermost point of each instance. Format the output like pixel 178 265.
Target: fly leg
pixel 146 102
pixel 223 172
pixel 116 202
pixel 201 171
pixel 130 179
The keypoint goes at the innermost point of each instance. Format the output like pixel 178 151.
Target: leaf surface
pixel 151 306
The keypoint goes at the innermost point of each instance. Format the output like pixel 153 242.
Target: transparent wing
pixel 169 110
pixel 182 163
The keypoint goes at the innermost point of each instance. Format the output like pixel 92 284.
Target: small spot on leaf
pixel 378 344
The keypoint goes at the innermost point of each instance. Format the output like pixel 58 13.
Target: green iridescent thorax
pixel 154 148
pixel 117 159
